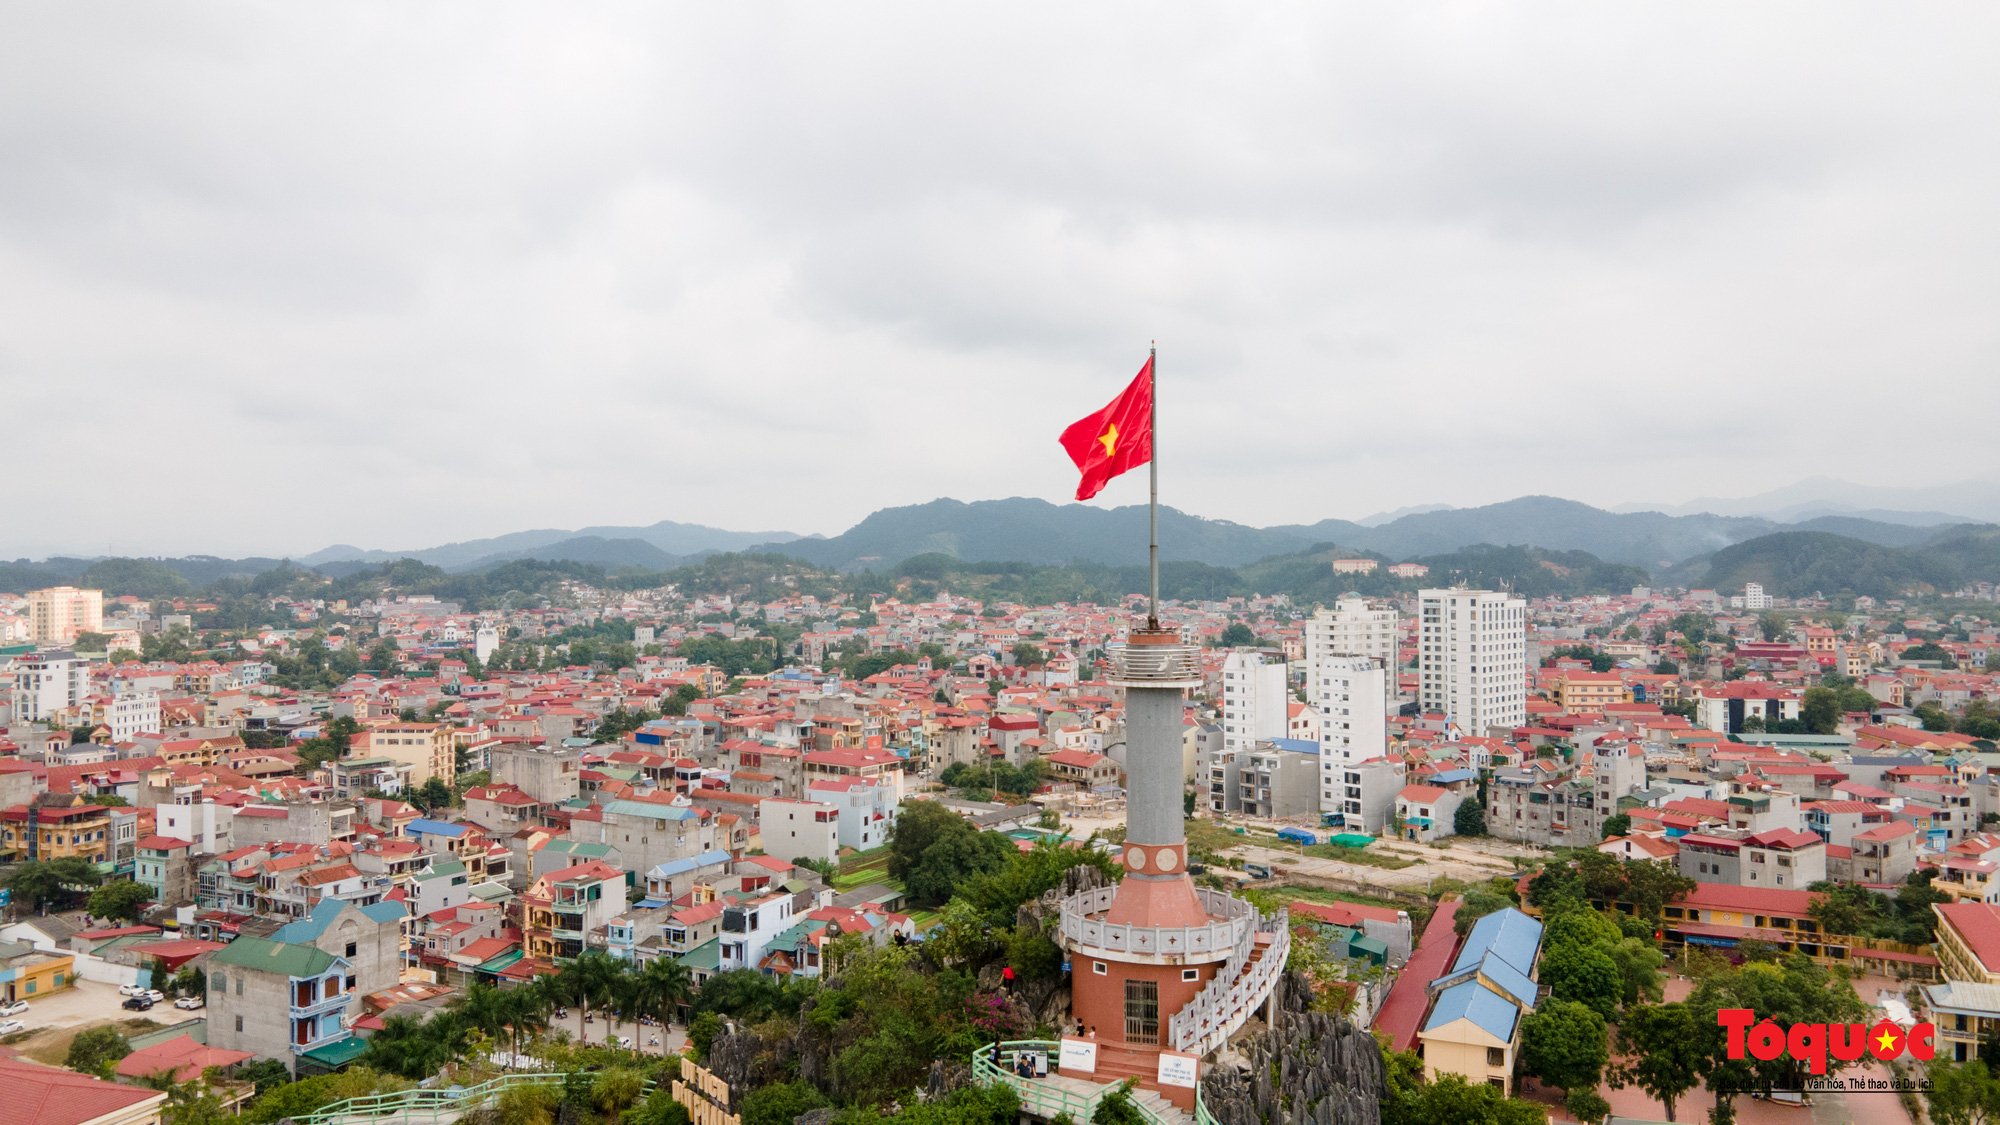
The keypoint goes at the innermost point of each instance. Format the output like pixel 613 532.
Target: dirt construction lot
pixel 54 1020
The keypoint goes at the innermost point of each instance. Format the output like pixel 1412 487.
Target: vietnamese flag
pixel 1116 438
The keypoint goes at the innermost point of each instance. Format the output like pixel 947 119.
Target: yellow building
pixel 1474 1026
pixel 427 747
pixel 1968 941
pixel 34 974
pixel 1581 693
pixel 56 826
pixel 56 615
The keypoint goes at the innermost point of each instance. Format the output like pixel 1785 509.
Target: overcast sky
pixel 281 275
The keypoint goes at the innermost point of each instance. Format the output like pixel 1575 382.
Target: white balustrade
pixel 1234 922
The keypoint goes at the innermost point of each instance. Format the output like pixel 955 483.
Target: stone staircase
pixel 1161 1108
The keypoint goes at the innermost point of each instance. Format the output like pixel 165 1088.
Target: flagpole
pixel 1153 465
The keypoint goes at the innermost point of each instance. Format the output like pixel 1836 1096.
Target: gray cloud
pixel 276 276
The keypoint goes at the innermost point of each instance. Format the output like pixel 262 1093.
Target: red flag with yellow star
pixel 1116 438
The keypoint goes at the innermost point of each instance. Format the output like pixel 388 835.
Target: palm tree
pixel 660 988
pixel 528 1008
pixel 589 980
pixel 482 1007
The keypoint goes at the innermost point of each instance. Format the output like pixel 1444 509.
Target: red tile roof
pixel 47 1095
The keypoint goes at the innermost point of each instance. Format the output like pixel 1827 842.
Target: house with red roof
pixel 1427 812
pixel 1771 859
pixel 49 1095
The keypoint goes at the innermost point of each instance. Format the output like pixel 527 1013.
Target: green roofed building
pixel 278 1000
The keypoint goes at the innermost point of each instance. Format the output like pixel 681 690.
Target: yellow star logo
pixel 1887 1040
pixel 1110 440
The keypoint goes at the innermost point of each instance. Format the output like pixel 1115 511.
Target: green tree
pixel 1961 1093
pixel 1586 1105
pixel 1772 626
pixel 432 795
pixel 1663 1052
pixel 1820 712
pixel 415 1048
pixel 589 980
pixel 40 883
pixel 121 900
pixel 95 1050
pixel 1563 1044
pixel 1617 825
pixel 1585 974
pixel 1236 635
pixel 779 1103
pixel 297 1099
pixel 702 1030
pixel 932 850
pixel 1469 820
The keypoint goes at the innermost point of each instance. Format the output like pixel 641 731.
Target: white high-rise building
pixel 1347 692
pixel 1354 627
pixel 1254 700
pixel 484 641
pixel 1754 596
pixel 1472 658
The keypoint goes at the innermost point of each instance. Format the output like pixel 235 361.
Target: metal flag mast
pixel 1153 470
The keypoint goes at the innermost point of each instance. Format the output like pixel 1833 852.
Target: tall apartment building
pixel 1254 700
pixel 1354 627
pixel 1472 658
pixel 56 615
pixel 1346 691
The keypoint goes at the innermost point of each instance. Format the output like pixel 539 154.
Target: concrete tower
pixel 1159 967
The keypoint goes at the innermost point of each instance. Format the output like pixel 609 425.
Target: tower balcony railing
pixel 1232 922
pixel 1168 665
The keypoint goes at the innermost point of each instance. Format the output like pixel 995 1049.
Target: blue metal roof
pixel 1295 745
pixel 691 863
pixel 1512 935
pixel 1449 776
pixel 1473 1001
pixel 1511 980
pixel 424 827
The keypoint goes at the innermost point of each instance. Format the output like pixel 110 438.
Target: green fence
pixel 427 1107
pixel 1046 1100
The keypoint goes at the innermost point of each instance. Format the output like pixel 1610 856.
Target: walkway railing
pixel 1046 1100
pixel 432 1107
pixel 1226 1002
pixel 1237 918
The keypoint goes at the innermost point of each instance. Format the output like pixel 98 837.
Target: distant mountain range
pixel 657 546
pixel 1968 501
pixel 1036 531
pixel 1676 549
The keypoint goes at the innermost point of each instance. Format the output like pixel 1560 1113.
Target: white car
pixel 188 1003
pixel 9 1027
pixel 131 990
pixel 17 1008
pixel 153 994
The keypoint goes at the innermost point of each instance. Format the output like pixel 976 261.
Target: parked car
pixel 137 1004
pixel 17 1008
pixel 189 1003
pixel 9 1027
pixel 154 994
pixel 131 990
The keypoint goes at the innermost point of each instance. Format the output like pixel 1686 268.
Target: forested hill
pixel 1799 563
